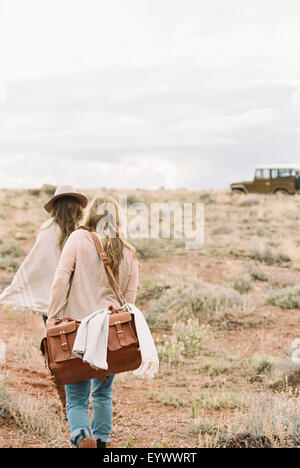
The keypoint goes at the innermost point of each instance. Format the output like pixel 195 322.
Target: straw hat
pixel 65 191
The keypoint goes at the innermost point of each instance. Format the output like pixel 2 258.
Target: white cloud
pixel 8 180
pixel 147 171
pixel 176 88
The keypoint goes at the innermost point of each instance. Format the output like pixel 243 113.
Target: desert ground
pixel 223 318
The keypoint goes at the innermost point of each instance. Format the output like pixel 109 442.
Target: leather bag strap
pixel 114 284
pixel 64 344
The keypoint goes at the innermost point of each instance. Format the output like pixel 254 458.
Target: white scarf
pixel 92 337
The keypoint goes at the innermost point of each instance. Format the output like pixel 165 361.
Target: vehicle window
pixel 262 174
pixel 275 174
pixel 293 172
pixel 284 173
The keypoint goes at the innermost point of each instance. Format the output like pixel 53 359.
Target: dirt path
pixel 141 418
pixel 135 414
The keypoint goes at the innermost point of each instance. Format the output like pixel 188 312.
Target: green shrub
pixel 278 374
pixel 34 192
pixel 250 202
pixel 203 429
pixel 226 401
pixel 288 298
pixel 213 369
pixel 5 412
pixel 9 264
pixel 258 275
pixel 9 252
pixel 169 399
pixel 185 342
pixel 242 284
pixel 269 257
pixel 204 302
pixel 204 196
pixel 221 230
pixel 162 445
pixel 271 422
pixel 49 190
pixel 131 199
pixel 4 282
pixel 147 248
pixel 260 232
pixel 264 366
pixel 33 416
pixel 191 335
pixel 151 290
pixel 11 248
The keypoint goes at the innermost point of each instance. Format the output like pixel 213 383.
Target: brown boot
pixel 88 442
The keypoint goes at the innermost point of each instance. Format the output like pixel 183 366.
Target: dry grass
pixel 228 384
pixel 270 422
pixel 34 416
pixel 276 373
pixel 220 306
pixel 186 341
pixel 242 284
pixel 288 298
pixel 25 349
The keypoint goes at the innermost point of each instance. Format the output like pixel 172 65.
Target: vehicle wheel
pixel 282 192
pixel 236 190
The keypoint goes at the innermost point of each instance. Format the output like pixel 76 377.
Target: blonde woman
pixel 81 287
pixel 32 282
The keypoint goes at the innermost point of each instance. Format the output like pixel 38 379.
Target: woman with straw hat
pixel 32 282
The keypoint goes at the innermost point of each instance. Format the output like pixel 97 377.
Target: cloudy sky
pixel 147 93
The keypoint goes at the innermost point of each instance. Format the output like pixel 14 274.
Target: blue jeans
pixel 78 395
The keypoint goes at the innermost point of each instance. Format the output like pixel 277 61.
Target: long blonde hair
pixel 103 216
pixel 67 213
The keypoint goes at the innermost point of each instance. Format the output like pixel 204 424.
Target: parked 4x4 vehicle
pixel 272 179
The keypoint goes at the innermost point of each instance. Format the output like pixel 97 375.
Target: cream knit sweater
pixel 81 286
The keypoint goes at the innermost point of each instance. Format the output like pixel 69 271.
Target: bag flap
pixel 120 317
pixel 66 327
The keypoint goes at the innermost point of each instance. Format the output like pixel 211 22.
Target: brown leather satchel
pixel 123 352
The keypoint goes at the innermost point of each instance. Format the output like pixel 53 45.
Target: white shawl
pixel 32 283
pixel 92 337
